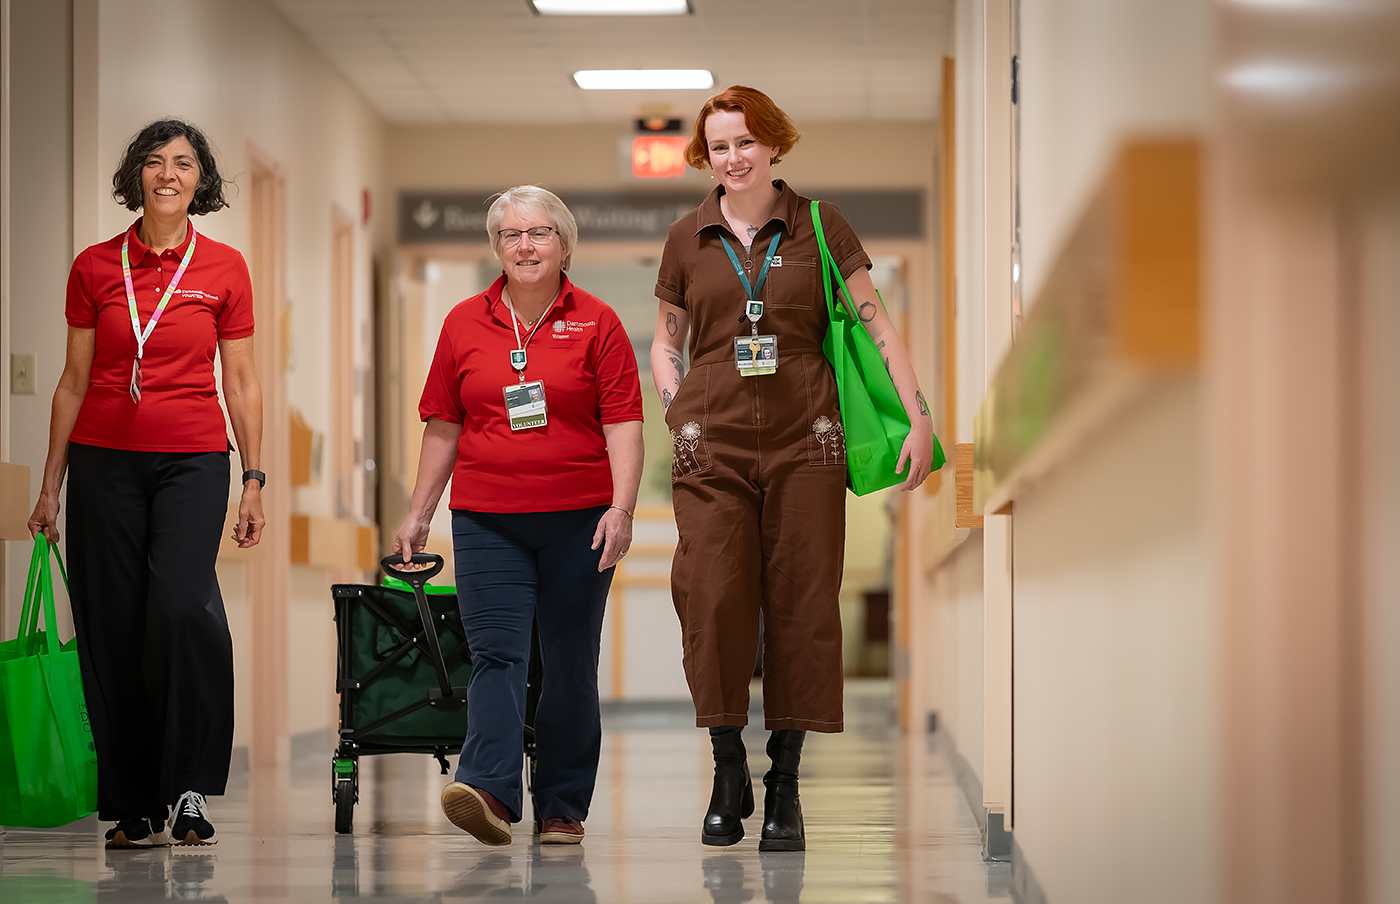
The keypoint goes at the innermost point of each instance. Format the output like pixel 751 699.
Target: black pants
pixel 153 641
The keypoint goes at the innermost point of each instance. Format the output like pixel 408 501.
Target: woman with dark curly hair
pixel 138 430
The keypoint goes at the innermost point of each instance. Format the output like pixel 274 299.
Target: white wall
pixel 1115 635
pixel 1094 72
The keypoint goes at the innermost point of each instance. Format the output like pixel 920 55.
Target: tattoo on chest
pixel 752 231
pixel 923 406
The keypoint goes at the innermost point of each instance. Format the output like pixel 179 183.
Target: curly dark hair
pixel 126 181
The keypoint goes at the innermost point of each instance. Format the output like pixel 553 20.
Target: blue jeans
pixel 512 570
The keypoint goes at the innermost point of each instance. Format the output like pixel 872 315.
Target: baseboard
pixel 1025 889
pixel 996 841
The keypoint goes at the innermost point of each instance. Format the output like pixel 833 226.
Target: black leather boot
pixel 782 811
pixel 732 798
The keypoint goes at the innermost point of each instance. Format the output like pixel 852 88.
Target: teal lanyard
pixel 762 274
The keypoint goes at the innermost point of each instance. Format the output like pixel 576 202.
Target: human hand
pixel 614 534
pixel 916 455
pixel 45 517
pixel 248 531
pixel 412 537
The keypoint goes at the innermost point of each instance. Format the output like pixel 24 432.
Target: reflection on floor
pixel 884 823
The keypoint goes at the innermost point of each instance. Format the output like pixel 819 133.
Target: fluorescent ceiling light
pixel 643 79
pixel 611 7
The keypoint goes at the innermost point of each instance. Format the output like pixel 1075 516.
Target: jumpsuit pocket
pixel 796 285
pixel 686 419
pixel 826 435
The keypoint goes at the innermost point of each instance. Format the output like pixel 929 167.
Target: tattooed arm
pixel 667 351
pixel 917 453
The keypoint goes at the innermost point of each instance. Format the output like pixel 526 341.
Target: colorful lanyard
pixel 755 306
pixel 141 336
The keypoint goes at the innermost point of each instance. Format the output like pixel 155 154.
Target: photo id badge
pixel 525 405
pixel 755 355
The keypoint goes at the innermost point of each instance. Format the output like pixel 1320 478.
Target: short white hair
pixel 538 200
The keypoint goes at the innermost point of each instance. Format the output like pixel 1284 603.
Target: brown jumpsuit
pixel 759 473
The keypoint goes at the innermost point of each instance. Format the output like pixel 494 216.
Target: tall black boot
pixel 732 799
pixel 782 811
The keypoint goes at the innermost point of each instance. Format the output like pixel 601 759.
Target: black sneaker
pixel 137 833
pixel 191 825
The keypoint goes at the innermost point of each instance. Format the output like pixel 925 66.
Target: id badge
pixel 525 405
pixel 755 355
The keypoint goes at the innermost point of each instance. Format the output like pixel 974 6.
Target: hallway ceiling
pixel 440 61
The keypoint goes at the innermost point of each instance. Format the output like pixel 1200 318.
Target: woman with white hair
pixel 533 407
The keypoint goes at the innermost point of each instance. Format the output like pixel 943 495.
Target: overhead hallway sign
pixel 454 217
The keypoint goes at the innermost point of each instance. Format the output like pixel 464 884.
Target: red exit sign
pixel 658 156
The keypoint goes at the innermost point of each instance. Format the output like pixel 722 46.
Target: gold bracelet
pixel 623 510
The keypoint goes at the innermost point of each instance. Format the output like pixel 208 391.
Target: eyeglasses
pixel 538 234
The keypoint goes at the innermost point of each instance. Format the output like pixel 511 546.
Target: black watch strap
pixel 259 476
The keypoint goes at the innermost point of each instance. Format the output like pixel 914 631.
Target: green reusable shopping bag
pixel 872 415
pixel 48 763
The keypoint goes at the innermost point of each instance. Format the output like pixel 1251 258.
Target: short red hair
pixel 766 121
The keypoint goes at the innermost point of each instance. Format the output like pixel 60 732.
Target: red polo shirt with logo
pixel 581 352
pixel 179 409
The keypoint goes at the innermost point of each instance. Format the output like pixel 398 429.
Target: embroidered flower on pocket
pixel 684 442
pixel 832 437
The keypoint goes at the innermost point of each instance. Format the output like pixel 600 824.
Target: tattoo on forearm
pixel 866 316
pixel 671 325
pixel 666 398
pixel 923 406
pixel 887 367
pixel 675 360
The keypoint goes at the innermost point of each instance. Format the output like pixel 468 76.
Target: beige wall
pixel 39 247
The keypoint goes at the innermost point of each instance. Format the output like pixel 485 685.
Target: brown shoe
pixel 561 831
pixel 477 812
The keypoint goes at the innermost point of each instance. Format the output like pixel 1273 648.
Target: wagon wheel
pixel 344 805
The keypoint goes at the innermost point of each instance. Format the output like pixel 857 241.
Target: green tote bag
pixel 872 415
pixel 48 763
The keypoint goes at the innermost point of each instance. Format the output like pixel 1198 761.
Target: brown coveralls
pixel 759 474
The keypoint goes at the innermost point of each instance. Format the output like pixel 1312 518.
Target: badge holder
pixel 755 355
pixel 525 405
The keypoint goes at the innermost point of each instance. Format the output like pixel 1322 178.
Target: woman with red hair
pixel 759 473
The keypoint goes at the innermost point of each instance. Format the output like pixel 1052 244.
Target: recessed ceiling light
pixel 611 7
pixel 643 79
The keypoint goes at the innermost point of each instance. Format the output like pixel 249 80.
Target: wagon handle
pixel 416 579
pixel 394 563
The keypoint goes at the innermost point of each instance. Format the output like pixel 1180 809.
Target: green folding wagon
pixel 403 689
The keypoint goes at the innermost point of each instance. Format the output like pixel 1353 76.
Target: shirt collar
pixel 137 249
pixel 498 307
pixel 785 209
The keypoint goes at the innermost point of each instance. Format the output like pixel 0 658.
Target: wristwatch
pixel 259 476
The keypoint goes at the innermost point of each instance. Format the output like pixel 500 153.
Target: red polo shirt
pixel 589 369
pixel 179 409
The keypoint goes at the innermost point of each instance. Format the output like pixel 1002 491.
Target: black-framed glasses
pixel 538 234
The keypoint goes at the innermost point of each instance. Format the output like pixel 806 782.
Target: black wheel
pixel 344 805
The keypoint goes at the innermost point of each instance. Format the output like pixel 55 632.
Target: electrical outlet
pixel 22 376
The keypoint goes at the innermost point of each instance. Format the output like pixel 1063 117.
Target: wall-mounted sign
pixel 436 217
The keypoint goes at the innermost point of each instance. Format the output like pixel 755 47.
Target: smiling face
pixel 530 262
pixel 169 178
pixel 739 160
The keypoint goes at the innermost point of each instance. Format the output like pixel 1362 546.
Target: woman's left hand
pixel 916 455
pixel 614 534
pixel 248 531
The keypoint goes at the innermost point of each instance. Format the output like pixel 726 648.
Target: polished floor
pixel 885 822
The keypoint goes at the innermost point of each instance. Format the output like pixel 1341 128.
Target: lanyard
pixel 142 336
pixel 517 357
pixel 755 306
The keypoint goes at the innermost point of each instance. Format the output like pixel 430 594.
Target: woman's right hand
pixel 45 517
pixel 412 537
